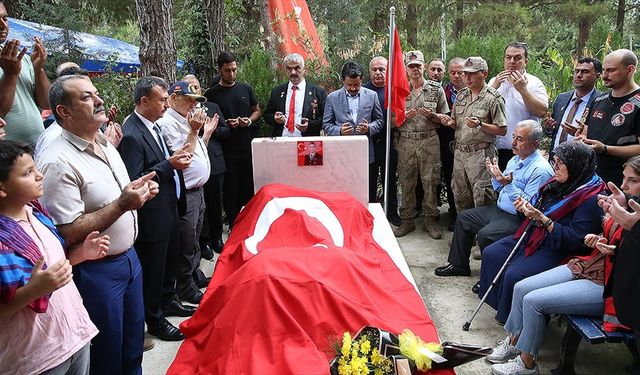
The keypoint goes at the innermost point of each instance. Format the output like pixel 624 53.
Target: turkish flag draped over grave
pixel 299 269
pixel 399 84
pixel 292 23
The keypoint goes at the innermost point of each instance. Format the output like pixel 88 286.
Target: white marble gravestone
pixel 345 164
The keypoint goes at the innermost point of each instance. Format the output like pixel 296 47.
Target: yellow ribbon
pixel 414 348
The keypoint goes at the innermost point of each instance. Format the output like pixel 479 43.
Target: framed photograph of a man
pixel 309 153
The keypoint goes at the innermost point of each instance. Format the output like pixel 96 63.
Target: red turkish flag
pixel 292 23
pixel 299 269
pixel 399 84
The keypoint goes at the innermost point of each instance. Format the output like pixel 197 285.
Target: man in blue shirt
pixel 524 174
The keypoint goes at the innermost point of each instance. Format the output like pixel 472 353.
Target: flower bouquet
pixel 378 352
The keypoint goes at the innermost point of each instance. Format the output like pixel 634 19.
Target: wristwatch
pixel 479 123
pixel 250 121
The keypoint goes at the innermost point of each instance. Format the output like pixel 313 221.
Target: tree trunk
pixel 270 42
pixel 412 23
pixel 8 5
pixel 620 17
pixel 584 28
pixel 458 23
pixel 214 13
pixel 157 45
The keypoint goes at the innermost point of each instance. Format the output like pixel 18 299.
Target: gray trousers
pixel 190 227
pixel 77 364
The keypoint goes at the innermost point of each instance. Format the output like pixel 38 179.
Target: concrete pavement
pixel 450 303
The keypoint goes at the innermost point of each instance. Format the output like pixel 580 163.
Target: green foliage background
pixel 357 30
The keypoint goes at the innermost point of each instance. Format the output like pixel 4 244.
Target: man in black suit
pixel 144 150
pixel 313 157
pixel 295 108
pixel 569 107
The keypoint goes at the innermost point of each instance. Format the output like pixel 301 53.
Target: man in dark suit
pixel 313 157
pixel 295 108
pixel 144 150
pixel 353 109
pixel 569 107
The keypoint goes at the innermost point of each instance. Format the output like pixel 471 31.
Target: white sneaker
pixel 513 367
pixel 503 352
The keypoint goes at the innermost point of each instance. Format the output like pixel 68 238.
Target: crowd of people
pixel 104 226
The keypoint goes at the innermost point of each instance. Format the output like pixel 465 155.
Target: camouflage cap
pixel 474 64
pixel 413 57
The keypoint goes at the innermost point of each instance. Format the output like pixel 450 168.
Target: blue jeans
pixel 551 292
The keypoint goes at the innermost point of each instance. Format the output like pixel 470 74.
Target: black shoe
pixel 175 308
pixel 395 220
pixel 200 279
pixel 165 331
pixel 202 283
pixel 206 251
pixel 217 246
pixel 476 288
pixel 451 270
pixel 194 298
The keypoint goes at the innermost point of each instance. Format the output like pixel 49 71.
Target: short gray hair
pixel 382 58
pixel 294 58
pixel 535 129
pixel 59 95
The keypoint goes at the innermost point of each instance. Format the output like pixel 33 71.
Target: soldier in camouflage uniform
pixel 478 117
pixel 418 147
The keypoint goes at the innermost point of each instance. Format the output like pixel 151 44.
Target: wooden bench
pixel 590 329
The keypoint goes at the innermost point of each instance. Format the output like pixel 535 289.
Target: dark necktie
pixel 454 95
pixel 570 116
pixel 292 109
pixel 165 151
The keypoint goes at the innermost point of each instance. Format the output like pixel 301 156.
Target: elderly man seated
pixel 524 174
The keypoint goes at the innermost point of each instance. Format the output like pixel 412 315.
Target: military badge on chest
pixel 617 119
pixel 627 108
pixel 314 107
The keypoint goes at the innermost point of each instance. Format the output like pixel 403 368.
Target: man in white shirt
pixel 524 95
pixel 180 125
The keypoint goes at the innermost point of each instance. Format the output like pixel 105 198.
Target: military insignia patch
pixel 598 114
pixel 617 120
pixel 627 108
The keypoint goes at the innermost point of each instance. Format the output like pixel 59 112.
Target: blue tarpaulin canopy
pixel 98 50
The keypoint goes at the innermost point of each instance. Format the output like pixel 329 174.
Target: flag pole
pixel 392 27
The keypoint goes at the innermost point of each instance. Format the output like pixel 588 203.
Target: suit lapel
pixel 283 97
pixel 146 134
pixel 361 103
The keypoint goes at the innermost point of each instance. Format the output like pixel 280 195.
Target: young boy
pixel 44 328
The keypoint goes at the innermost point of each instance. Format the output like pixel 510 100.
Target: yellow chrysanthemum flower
pixel 365 347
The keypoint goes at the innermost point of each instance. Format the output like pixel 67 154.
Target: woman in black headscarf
pixel 566 210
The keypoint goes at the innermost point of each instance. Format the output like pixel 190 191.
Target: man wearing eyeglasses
pixel 524 94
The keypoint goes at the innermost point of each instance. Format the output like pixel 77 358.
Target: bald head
pixel 624 56
pixel 619 67
pixel 69 68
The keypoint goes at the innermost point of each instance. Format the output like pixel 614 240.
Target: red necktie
pixel 292 110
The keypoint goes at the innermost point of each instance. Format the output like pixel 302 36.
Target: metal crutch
pixel 467 324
